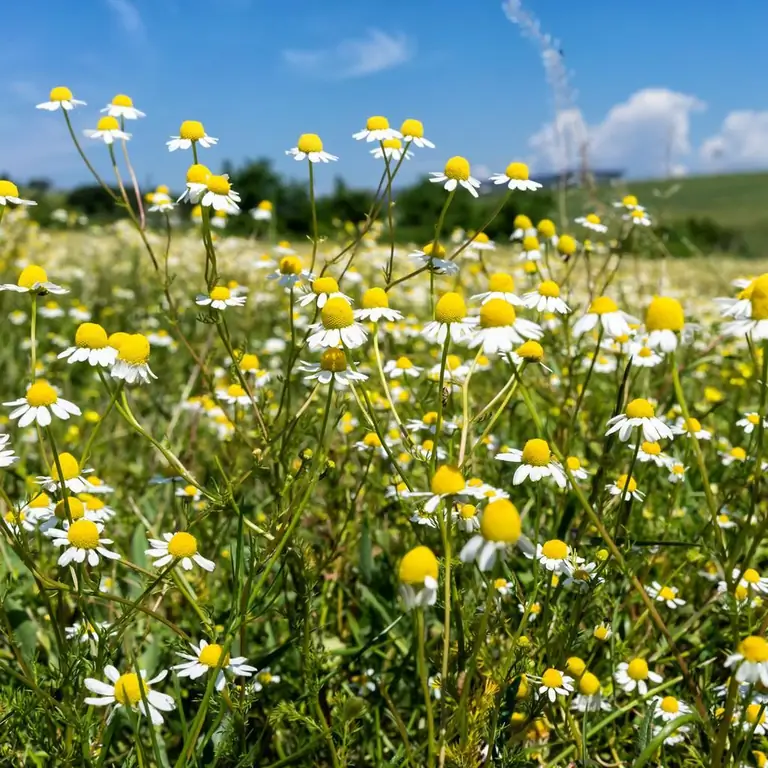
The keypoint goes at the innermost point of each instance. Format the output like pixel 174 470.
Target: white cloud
pixel 358 57
pixel 648 134
pixel 741 143
pixel 128 15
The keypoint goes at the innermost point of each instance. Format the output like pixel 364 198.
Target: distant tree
pixel 92 200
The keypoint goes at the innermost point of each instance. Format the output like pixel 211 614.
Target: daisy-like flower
pixel 756 719
pixel 546 298
pixel 337 326
pixel 82 539
pixel 219 195
pixel 650 452
pixel 402 367
pixel 264 677
pixel 332 368
pixel 468 518
pixel 7 456
pixel 33 279
pixel 481 242
pixel 664 320
pixel 602 631
pixel 91 346
pixel 428 423
pixel 676 472
pixel 435 683
pixel 60 97
pixel 413 133
pixel 129 690
pixel 446 484
pixel 208 657
pixel 418 578
pixel 750 660
pixel 604 310
pixel 263 211
pixel 639 414
pixel 536 462
pixel 665 594
pixel 589 697
pixel 37 405
pixel 289 272
pixel 107 130
pixel 516 177
pixel 122 106
pixel 18 520
pixel 188 492
pixel 320 290
pixel 500 286
pixel 456 173
pixel 735 455
pixel 750 421
pixel 310 147
pixel 220 297
pixel 643 356
pixel 577 470
pixel 637 218
pixel 554 683
pixel 9 193
pixel 498 328
pixel 591 221
pixel 191 131
pixel 625 487
pixel 523 227
pixel 668 708
pixel 234 394
pixel 751 579
pixel 391 149
pixel 531 251
pixel 554 555
pixel 51 310
pixel 365 682
pixel 161 203
pixel 450 317
pixel 72 475
pixel 375 307
pixel 377 129
pixel 430 256
pixel 635 676
pixel 196 185
pixel 500 529
pixel 132 362
pixel 178 547
pixel 83 631
pixel 628 202
pixel 725 523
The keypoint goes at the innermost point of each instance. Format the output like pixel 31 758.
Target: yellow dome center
pixel 638 669
pixel 249 362
pixel 753 714
pixel 413 128
pixel 83 534
pixel 69 467
pixel 8 189
pixel 530 243
pixel 417 565
pixel 31 275
pixel 75 506
pixel 536 452
pixel 235 390
pixel 290 265
pixel 91 336
pixel 309 142
pixel 575 665
pixel 336 314
pixel 566 245
pixel 640 409
pixel 40 501
pixel 602 305
pixel 667 593
pixel 135 349
pixel 693 425
pixel 447 480
pixel 573 463
pixel 738 453
pixel 371 440
pixel 392 144
pixel 325 285
pixel 220 293
pixel 593 218
pixel 108 123
pixel 211 654
pixel 403 363
pixel 467 511
pixel 182 544
pixel 375 298
pixel 754 649
pixel 517 171
pixel 117 339
pixel 589 685
pixel 652 449
pixel 501 522
pixel 751 576
pixel 265 205
pixel 434 249
pixel 128 689
pixel 497 313
pixel 41 393
pixel 450 308
pixel 546 228
pixel 549 288
pixel 521 221
pixel 626 483
pixel 554 549
pixel 482 238
pixel 333 360
pixel 531 351
pixel 121 100
pixel 192 130
pixel 552 678
pixel 219 185
pixel 457 168
pixel 197 174
pixel 501 282
pixel 664 314
pixel 60 93
pixel 629 200
pixel 377 123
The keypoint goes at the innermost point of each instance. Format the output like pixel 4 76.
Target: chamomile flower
pixel 122 106
pixel 450 318
pixel 603 310
pixel 751 579
pixel 756 719
pixel 39 403
pixel 83 631
pixel 523 227
pixel 577 470
pixel 650 452
pixel 82 539
pixel 263 211
pixel 234 394
pixel 178 547
pixel 635 675
pixel 220 297
pixel 320 290
pixel 391 149
pixel 72 475
pixel 130 691
pixel 589 697
pixel 500 286
pixel 402 367
pixel 625 487
pixel 60 97
pixel 161 203
pixel 750 660
pixel 498 329
pixel 132 364
pixel 481 242
pixel 456 173
pixel 516 177
pixel 196 184
pixel 668 708
pixel 7 456
pixel 264 677
pixel 33 279
pixel 643 356
pixel 500 529
pixel 91 346
pixel 418 578
pixel 546 298
pixel 468 518
pixel 750 421
pixel 602 631
pixel 637 218
pixel 107 130
pixel 207 657
pixel 332 368
pixel 676 472
pixel 531 252
pixel 664 320
pixel 189 492
pixel 219 195
pixel 337 326
pixel 665 594
pixel 554 555
pixel 9 193
pixel 191 132
pixel 413 133
pixel 310 147
pixel 431 256
pixel 375 307
pixel 536 463
pixel 554 683
pixel 18 520
pixel 736 455
pixel 591 221
pixel 289 271
pixel 51 310
pixel 377 129
pixel 628 202
pixel 639 414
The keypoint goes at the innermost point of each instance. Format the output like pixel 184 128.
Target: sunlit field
pixel 342 500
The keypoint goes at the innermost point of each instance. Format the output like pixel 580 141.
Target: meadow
pixel 345 502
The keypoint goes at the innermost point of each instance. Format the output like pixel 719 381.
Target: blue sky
pixel 661 86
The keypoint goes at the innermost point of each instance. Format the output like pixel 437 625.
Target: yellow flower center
pixel 377 123
pixel 8 189
pixel 753 418
pixel 192 130
pixel 375 298
pixel 108 123
pixel 531 243
pixel 601 632
pixel 182 544
pixel 83 534
pixel 546 228
pixel 667 593
pixel 116 340
pixel 371 440
pixel 417 564
pixel 309 142
pixel 521 221
pixel 754 649
pixel 290 265
pixel 575 666
pixel 640 409
pixel 501 522
pixel 121 100
pixel 75 506
pixel 549 288
pixel 638 669
pixel 128 689
pixel 69 467
pixel 336 314
pixel 566 245
pixel 41 393
pixel 325 285
pixel 447 479
pixel 664 313
pixel 589 685
pixel 413 128
pixel 753 714
pixel 265 205
pixel 15 518
pixel 751 576
pixel 626 483
pixel 40 501
pixel 60 93
pixel 738 453
pixel 333 360
pixel 219 185
pixel 496 313
pixel 134 349
pixel 468 511
pixel 434 249
pixel 392 144
pixel 670 705
pixel 220 293
pixel 501 282
pixel 31 275
pixel 554 549
pixel 602 305
pixel 457 168
pixel 450 308
pixel 481 237
pixel 403 363
pixel 629 200
pixel 428 446
pixel 235 390
pixel 536 452
pixel 249 362
pixel 92 503
pixel 211 654
pixel 552 678
pixel 593 218
pixel 652 449
pixel 91 336
pixel 197 174
pixel 500 583
pixel 573 463
pixel 452 363
pixel 517 171
pixel 531 351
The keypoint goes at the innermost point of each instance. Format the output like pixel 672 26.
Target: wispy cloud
pixel 356 57
pixel 128 16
